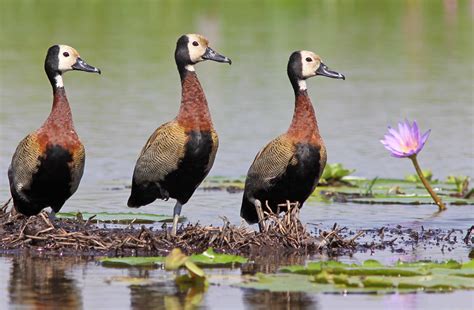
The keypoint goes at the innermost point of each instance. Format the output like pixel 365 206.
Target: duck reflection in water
pixel 166 296
pixel 256 299
pixel 43 283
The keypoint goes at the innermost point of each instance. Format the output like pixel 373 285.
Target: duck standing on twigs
pixel 179 154
pixel 48 164
pixel 289 167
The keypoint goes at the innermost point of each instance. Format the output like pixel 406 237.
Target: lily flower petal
pixel 405 142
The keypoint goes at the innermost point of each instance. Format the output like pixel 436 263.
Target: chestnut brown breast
pixel 179 154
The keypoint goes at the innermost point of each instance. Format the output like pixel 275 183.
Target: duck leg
pixel 176 213
pixel 261 219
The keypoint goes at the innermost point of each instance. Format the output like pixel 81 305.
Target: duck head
pixel 63 58
pixel 194 48
pixel 305 64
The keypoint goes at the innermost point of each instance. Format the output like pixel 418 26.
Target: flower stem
pixel 430 190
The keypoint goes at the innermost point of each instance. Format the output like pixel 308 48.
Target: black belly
pixel 192 169
pixel 50 185
pixel 295 185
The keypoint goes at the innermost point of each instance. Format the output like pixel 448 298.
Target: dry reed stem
pixel 78 236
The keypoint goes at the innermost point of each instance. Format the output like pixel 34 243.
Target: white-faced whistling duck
pixel 48 164
pixel 289 167
pixel 180 153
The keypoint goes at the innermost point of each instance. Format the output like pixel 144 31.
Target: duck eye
pixel 66 54
pixel 195 43
pixel 308 59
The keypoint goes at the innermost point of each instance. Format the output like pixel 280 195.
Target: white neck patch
pixel 189 68
pixel 59 80
pixel 302 84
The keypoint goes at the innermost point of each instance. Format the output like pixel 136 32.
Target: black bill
pixel 81 65
pixel 324 71
pixel 211 54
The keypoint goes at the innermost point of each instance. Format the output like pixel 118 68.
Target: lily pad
pixel 132 261
pixel 334 172
pixel 224 183
pixel 177 259
pixel 370 277
pixel 408 200
pixel 207 259
pixel 119 218
pixel 211 258
pixel 363 191
pixel 368 268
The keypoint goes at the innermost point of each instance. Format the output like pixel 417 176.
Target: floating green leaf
pixel 468 265
pixel 334 172
pixel 223 183
pixel 408 200
pixel 450 264
pixel 365 191
pixel 119 218
pixel 428 174
pixel 369 277
pixel 132 261
pixel 176 259
pixel 209 258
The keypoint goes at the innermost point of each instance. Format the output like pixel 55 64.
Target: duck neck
pixel 60 115
pixel 55 78
pixel 304 126
pixel 193 113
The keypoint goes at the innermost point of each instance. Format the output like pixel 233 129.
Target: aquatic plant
pixel 177 259
pixel 208 259
pixel 461 182
pixel 407 142
pixel 334 173
pixel 428 174
pixel 369 277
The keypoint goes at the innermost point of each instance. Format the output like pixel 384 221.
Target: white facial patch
pixel 67 57
pixel 196 51
pixel 309 63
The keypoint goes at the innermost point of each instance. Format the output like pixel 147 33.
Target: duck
pixel 288 168
pixel 180 153
pixel 48 164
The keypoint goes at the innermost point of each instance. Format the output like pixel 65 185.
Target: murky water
pixel 412 59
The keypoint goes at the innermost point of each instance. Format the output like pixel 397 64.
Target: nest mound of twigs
pixel 83 237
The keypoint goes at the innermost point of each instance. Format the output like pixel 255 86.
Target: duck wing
pixel 161 153
pixel 270 164
pixel 25 163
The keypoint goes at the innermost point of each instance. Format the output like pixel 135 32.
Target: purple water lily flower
pixel 405 142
